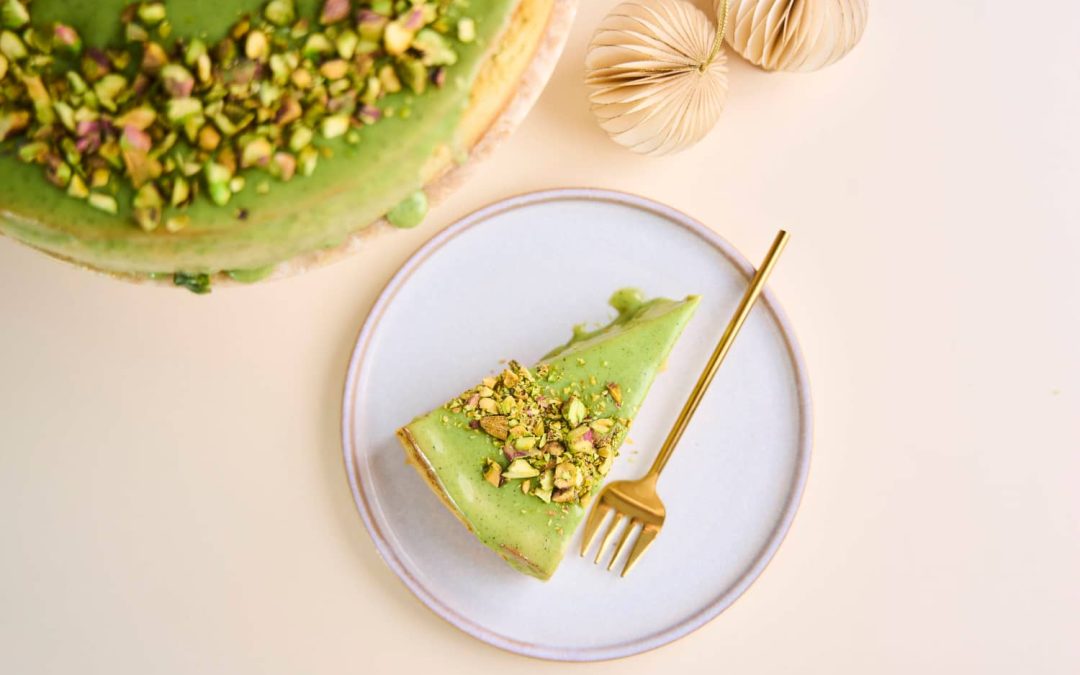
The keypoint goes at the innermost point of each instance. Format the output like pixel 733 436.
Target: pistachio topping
pixel 176 120
pixel 559 446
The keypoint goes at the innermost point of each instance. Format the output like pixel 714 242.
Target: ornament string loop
pixel 722 10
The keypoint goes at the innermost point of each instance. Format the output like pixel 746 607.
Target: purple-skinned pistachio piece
pixel 67 38
pixel 334 11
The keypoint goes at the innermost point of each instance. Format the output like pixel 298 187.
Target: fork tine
pixel 648 533
pixel 607 537
pixel 630 527
pixel 592 525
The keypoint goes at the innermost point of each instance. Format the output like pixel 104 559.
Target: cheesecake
pixel 242 134
pixel 518 457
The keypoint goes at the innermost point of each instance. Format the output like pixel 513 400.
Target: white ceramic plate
pixel 509 281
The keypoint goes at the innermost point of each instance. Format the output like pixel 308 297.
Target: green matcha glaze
pixel 629 352
pixel 353 188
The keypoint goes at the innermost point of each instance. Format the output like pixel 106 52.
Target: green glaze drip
pixel 253 275
pixel 628 302
pixel 410 211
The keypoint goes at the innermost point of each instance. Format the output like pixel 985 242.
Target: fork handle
pixel 757 284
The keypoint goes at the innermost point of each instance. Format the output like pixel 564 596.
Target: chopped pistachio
pixel 195 50
pixel 151 13
pixel 209 138
pixel 181 192
pixel 58 173
pixel 346 44
pixel 148 207
pixel 13 14
pixel 307 160
pixel 134 32
pixel 564 496
pixel 34 153
pixel 554 448
pixel 176 223
pixel 103 202
pixel 574 411
pixel 335 126
pixel 316 45
pixel 67 38
pixel 495 425
pixel 492 473
pixel 65 114
pixel 466 30
pixel 388 77
pixel 334 69
pixel 302 78
pixel 547 480
pixel 616 393
pixel 99 178
pixel 257 46
pixel 75 81
pixel 217 183
pixel 519 468
pixel 280 12
pixel 141 118
pixel 567 475
pixel 397 38
pixel 435 48
pixel 602 426
pixel 135 148
pixel 283 166
pixel 334 11
pixel 109 89
pixel 39 96
pixel 12 46
pixel 77 188
pixel 525 443
pixel 12 122
pixel 177 80
pixel 414 74
pixel 256 152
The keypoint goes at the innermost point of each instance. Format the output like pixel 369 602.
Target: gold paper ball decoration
pixel 800 35
pixel 658 75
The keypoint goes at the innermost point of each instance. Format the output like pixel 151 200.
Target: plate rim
pixel 548 652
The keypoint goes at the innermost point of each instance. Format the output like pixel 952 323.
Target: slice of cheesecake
pixel 518 457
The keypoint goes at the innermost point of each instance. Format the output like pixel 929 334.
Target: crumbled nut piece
pixel 495 425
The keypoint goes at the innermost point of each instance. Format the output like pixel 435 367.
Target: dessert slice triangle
pixel 518 457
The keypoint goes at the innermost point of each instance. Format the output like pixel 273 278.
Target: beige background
pixel 172 497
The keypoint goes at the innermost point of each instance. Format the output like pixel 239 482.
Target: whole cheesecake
pixel 379 167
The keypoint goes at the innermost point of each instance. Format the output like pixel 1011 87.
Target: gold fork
pixel 637 499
